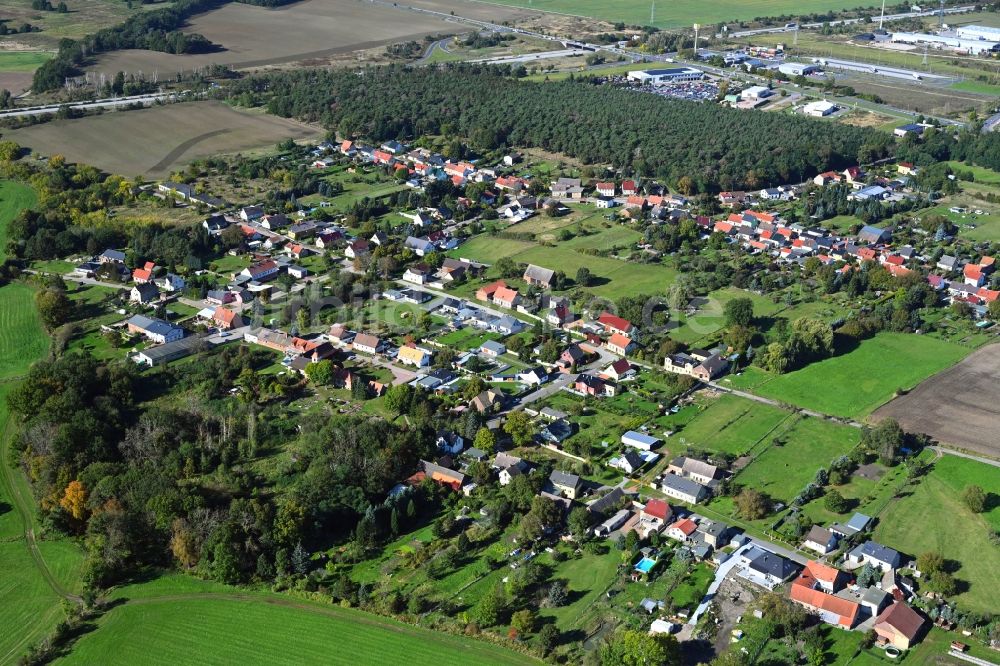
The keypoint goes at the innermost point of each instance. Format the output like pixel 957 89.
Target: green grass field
pixel 730 425
pixel 853 384
pixel 22 61
pixel 710 318
pixel 682 12
pixel 949 526
pixel 14 197
pixel 255 629
pixel 29 607
pixel 22 340
pixel 808 444
pixel 611 275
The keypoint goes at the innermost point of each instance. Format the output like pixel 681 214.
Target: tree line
pixel 715 147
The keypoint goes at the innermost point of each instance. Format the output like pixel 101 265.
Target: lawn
pixel 709 317
pixel 730 424
pixel 611 276
pixel 805 445
pixel 586 578
pixel 467 338
pixel 681 12
pixel 950 527
pixel 171 630
pixel 852 385
pixel 14 197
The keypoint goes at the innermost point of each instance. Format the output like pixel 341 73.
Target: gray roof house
pixel 565 483
pixel 685 490
pixel 538 276
pixel 877 555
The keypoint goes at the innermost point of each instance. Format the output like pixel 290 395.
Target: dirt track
pixel 960 406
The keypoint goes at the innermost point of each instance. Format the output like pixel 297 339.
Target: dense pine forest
pixel 717 148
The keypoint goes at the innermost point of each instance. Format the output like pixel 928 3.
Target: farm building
pixel 639 440
pixel 171 351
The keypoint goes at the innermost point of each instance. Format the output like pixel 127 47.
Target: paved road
pixel 545 390
pixel 50 109
pixel 888 17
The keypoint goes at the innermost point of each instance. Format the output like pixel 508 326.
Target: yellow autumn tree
pixel 74 500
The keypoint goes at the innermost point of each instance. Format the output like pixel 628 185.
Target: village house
pixel 683 489
pixel 367 343
pixel 620 344
pixel 619 370
pixel 413 355
pixel 765 568
pixel 493 348
pixel 261 270
pixel 821 540
pixel 144 274
pixel 697 470
pixel 653 517
pixel 875 554
pixel 154 329
pixel 538 276
pixel 682 529
pixel 566 484
pixel 592 385
pixel 697 363
pixel 486 402
pixel 506 297
pixel 605 189
pixel 170 283
pixel 417 274
pixel 807 591
pixel 486 292
pixel 357 249
pixel 226 319
pixel 251 213
pixel 143 293
pixel 629 461
pixel 899 626
pixel 570 357
pixel 615 324
pixel 567 188
pixel 111 257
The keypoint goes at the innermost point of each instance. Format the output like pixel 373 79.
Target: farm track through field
pixel 324 53
pixel 182 148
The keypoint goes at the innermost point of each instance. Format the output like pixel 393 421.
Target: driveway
pixel 720 575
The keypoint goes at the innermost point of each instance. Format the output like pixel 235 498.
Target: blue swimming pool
pixel 645 565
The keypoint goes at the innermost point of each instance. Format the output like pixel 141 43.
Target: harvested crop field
pixel 154 141
pixel 960 406
pixel 258 36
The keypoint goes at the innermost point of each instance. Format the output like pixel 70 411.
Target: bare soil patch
pixel 154 141
pixel 258 36
pixel 959 406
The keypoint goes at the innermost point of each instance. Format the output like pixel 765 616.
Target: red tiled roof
pixel 608 320
pixel 620 341
pixel 902 618
pixel 846 611
pixel 973 271
pixel 657 508
pixel 505 294
pixel 685 525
